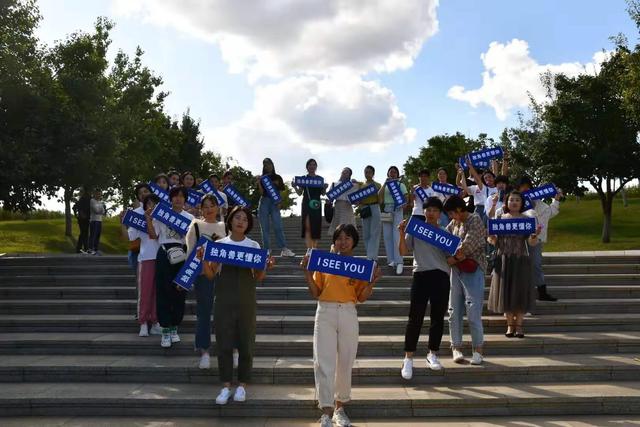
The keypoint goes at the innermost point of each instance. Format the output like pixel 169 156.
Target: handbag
pixel 175 254
pixel 467 265
pixel 328 212
pixel 364 212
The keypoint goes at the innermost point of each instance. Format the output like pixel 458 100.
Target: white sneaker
pixel 340 418
pixel 433 362
pixel 391 264
pixel 399 268
pixel 144 330
pixel 174 335
pixel 205 361
pixel 224 396
pixel 476 359
pixel 236 357
pixel 286 252
pixel 165 342
pixel 458 357
pixel 156 329
pixel 240 395
pixel 325 421
pixel 407 368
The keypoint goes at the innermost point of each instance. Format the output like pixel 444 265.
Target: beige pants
pixel 335 344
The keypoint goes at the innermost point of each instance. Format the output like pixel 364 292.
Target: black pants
pixel 83 238
pixel 430 286
pixel 169 300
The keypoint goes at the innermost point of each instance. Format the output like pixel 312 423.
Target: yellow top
pixel 335 288
pixel 373 199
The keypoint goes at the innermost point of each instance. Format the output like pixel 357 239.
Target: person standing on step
pixel 496 201
pixel 209 227
pixel 424 182
pixel 483 189
pixel 235 307
pixel 146 272
pixel 391 217
pixel 269 211
pixel 311 207
pixel 335 334
pixel 430 285
pixel 369 211
pixel 543 212
pixel 511 291
pixel 343 210
pixel 169 297
pixel 82 212
pixel 443 176
pixel 188 181
pixel 468 266
pixel 98 210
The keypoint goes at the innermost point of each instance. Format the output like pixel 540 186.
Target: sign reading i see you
pixel 341 265
pixel 502 226
pixel 191 268
pixel 308 181
pixel 240 256
pixel 171 218
pixel 134 220
pixel 270 189
pixel 367 191
pixel 339 190
pixel 432 235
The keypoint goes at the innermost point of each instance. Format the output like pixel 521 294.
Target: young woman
pixel 467 278
pixel 391 218
pixel 335 335
pixel 424 182
pixel 269 211
pixel 483 189
pixel 98 210
pixel 208 226
pixel 511 290
pixel 162 181
pixel 430 285
pixel 188 181
pixel 443 176
pixel 146 273
pixel 169 297
pixel 311 208
pixel 214 180
pixel 173 178
pixel 496 201
pixel 369 210
pixel 235 307
pixel 343 210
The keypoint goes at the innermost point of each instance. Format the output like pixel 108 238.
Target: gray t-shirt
pixel 425 256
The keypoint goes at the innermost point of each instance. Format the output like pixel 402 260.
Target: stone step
pixel 188 399
pixel 303 307
pixel 299 370
pixel 291 292
pixel 534 344
pixel 292 325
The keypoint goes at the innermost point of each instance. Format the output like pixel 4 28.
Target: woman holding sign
pixel 392 216
pixel 369 211
pixel 311 208
pixel 511 290
pixel 269 210
pixel 343 210
pixel 335 334
pixel 235 307
pixel 188 181
pixel 420 193
pixel 169 260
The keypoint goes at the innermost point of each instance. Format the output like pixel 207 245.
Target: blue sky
pixel 361 104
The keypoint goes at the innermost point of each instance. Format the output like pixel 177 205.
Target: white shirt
pixel 169 235
pixel 480 196
pixel 344 196
pixel 543 213
pixel 148 247
pixel 206 229
pixel 246 242
pixel 418 202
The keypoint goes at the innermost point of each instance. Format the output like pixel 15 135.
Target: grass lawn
pixel 577 228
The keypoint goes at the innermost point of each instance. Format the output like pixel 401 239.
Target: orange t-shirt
pixel 335 288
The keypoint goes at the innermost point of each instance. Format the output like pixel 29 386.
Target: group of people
pixel 89 211
pixel 449 283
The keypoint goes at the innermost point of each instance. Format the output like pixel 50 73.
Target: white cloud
pixel 279 37
pixel 511 74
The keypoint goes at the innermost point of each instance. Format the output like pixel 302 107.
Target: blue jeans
pixel 205 289
pixel 392 237
pixel 95 229
pixel 371 228
pixel 467 292
pixel 132 258
pixel 267 208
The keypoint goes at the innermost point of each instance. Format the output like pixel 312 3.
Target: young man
pixel 543 212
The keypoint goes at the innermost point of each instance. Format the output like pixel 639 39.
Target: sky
pixel 348 82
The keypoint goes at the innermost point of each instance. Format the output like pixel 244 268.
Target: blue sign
pixel 171 218
pixel 422 193
pixel 339 190
pixel 396 193
pixel 270 189
pixel 191 268
pixel 481 158
pixel 162 194
pixel 524 225
pixel 308 181
pixel 193 197
pixel 209 189
pixel 341 265
pixel 367 191
pixel 134 220
pixel 240 256
pixel 231 191
pixel 432 235
pixel 446 189
pixel 543 192
pixel 527 203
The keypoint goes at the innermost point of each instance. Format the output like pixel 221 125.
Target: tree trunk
pixel 607 203
pixel 68 194
pixel 625 202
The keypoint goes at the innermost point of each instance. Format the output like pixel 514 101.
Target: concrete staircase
pixel 69 347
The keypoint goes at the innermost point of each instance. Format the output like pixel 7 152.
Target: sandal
pixel 509 334
pixel 521 333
